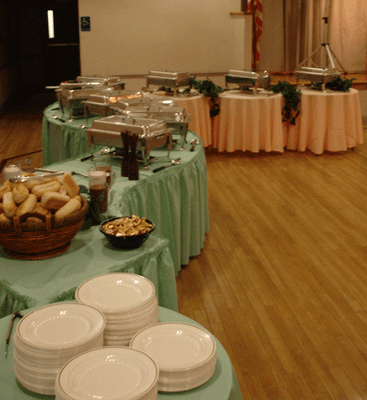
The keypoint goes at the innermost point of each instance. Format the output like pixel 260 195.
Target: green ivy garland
pixel 292 98
pixel 339 84
pixel 209 89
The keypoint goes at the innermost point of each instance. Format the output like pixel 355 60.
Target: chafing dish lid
pixel 104 80
pixel 248 74
pixel 168 75
pixel 79 85
pixel 162 101
pixel 144 127
pixel 318 71
pixel 112 96
pixel 168 114
pixel 76 93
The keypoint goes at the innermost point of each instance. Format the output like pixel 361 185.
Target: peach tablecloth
pixel 327 121
pixel 199 108
pixel 249 122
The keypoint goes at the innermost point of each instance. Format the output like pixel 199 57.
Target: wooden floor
pixel 282 278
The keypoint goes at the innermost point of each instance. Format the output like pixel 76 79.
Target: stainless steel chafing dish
pixel 152 134
pixel 174 116
pixel 101 101
pixel 246 78
pixel 113 82
pixel 124 104
pixel 319 77
pixel 170 79
pixel 72 97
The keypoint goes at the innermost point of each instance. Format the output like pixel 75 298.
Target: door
pixel 62 56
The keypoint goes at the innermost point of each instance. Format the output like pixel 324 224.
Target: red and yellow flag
pixel 257 7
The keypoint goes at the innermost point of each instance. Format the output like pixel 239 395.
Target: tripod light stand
pixel 328 58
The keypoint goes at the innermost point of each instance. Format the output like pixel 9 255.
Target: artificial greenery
pixel 340 84
pixel 209 89
pixel 292 98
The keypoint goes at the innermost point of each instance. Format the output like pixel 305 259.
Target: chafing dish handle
pixel 87 157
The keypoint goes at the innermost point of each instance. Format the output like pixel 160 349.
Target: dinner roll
pixel 27 206
pixel 71 186
pixel 53 200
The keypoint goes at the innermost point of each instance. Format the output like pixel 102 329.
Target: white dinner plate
pixel 176 346
pixel 109 373
pixel 61 325
pixel 116 292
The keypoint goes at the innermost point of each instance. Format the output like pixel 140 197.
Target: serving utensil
pixel 21 178
pixel 107 150
pixel 193 143
pixel 78 173
pixel 15 314
pixel 59 118
pixel 173 162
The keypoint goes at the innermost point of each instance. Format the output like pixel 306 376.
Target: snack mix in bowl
pixel 127 232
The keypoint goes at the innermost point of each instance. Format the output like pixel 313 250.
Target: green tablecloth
pixel 25 284
pixel 222 386
pixel 175 199
pixel 63 140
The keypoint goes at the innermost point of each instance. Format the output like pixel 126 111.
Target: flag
pixel 257 7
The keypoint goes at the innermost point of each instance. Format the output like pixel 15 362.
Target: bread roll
pixel 70 207
pixel 10 208
pixel 53 200
pixel 27 205
pixel 40 190
pixel 20 192
pixel 5 187
pixel 70 184
pixel 78 197
pixel 34 182
pixel 40 209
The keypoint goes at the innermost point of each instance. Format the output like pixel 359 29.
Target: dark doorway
pixel 62 56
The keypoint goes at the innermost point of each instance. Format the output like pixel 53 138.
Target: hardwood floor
pixel 282 278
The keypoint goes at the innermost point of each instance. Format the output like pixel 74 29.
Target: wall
pixel 135 37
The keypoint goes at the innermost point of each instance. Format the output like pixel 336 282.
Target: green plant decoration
pixel 340 84
pixel 209 89
pixel 292 98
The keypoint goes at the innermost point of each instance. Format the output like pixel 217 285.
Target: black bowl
pixel 126 242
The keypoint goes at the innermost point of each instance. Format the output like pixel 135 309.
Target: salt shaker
pixel 10 171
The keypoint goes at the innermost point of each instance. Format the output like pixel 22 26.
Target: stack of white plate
pixel 127 300
pixel 186 355
pixel 108 373
pixel 46 338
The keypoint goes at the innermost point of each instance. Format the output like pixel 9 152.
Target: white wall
pixel 134 37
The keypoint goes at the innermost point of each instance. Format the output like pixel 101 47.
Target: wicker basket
pixel 44 240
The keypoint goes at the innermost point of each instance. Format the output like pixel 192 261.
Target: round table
pixel 328 120
pixel 249 122
pixel 29 283
pixel 222 386
pixel 175 198
pixel 199 109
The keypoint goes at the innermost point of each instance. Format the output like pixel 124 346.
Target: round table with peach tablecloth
pixel 199 109
pixel 249 122
pixel 328 121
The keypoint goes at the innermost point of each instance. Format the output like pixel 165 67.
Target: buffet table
pixel 26 283
pixel 328 121
pixel 249 123
pixel 222 386
pixel 199 108
pixel 63 139
pixel 175 199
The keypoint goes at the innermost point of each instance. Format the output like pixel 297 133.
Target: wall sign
pixel 85 24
